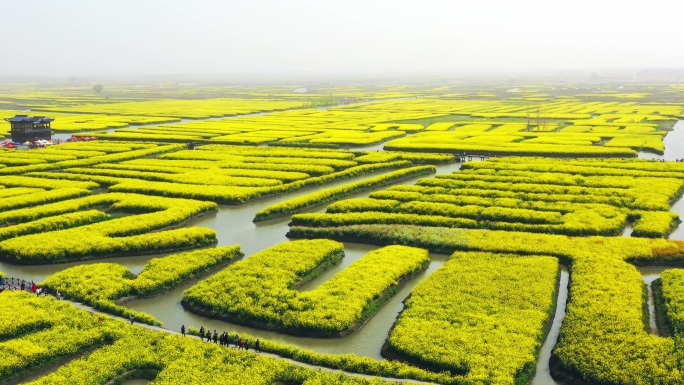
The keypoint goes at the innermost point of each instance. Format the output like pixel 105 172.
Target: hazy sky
pixel 149 37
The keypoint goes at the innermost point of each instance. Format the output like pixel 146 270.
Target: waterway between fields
pixel 234 225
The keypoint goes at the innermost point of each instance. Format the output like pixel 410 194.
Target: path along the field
pixel 302 364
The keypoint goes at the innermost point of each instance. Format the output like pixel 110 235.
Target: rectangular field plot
pixel 434 125
pixel 64 224
pixel 219 173
pixel 101 284
pixel 604 337
pixel 572 197
pixel 262 290
pixel 83 154
pixel 505 141
pixel 308 127
pixel 96 349
pixel 188 109
pixel 503 127
pixel 481 315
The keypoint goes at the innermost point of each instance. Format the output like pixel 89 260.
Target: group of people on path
pixel 24 285
pixel 224 339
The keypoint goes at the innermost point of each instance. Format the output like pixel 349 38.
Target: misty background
pixel 347 38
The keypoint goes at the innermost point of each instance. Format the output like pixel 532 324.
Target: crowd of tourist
pixel 224 339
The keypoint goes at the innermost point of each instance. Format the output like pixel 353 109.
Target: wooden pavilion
pixel 26 128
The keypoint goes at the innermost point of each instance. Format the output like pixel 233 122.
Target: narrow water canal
pixel 543 374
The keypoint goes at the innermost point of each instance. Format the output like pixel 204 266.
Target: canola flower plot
pixel 241 194
pixel 637 251
pixel 36 330
pixel 46 184
pixel 102 284
pixel 351 362
pixel 603 338
pixel 181 109
pixel 59 222
pixel 75 230
pixel 42 197
pixel 479 319
pixel 417 158
pixel 161 172
pixel 451 123
pixel 201 178
pixel 615 129
pixel 460 320
pixel 669 301
pixel 439 141
pixel 261 291
pixel 314 199
pixel 41 330
pixel 219 173
pixel 589 197
pixel 16 191
pixel 86 161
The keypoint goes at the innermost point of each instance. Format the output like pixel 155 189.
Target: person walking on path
pixel 131 318
pixel 183 330
pixel 201 333
pixel 215 336
pixel 256 346
pixel 247 345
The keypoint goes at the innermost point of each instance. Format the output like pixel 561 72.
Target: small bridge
pixel 471 156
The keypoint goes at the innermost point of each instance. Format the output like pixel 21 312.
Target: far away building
pixel 26 128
